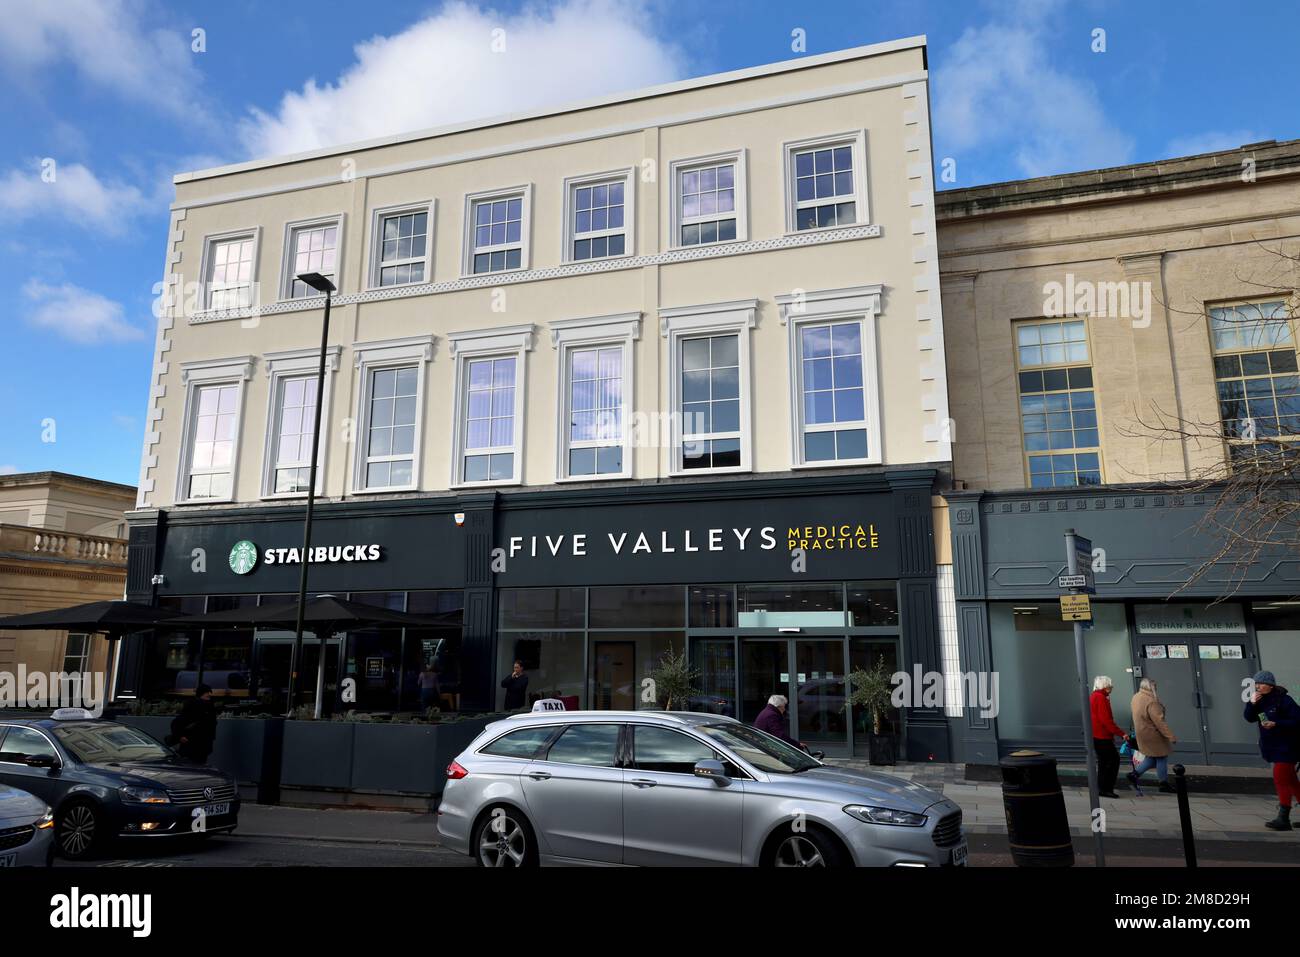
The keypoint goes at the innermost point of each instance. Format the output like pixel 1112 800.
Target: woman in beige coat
pixel 1154 738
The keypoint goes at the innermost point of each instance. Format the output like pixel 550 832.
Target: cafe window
pixel 76 654
pixel 171 660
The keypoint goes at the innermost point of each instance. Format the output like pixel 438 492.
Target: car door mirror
pixel 713 770
pixel 40 761
pixel 819 755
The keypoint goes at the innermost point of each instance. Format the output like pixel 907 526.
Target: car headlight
pixel 46 821
pixel 134 795
pixel 884 815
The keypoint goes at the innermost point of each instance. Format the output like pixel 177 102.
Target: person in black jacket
pixel 515 684
pixel 1278 717
pixel 195 729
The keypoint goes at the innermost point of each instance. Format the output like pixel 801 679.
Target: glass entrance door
pixel 1200 682
pixel 764 671
pixel 811 674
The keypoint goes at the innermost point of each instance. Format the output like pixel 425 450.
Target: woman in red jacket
pixel 1104 733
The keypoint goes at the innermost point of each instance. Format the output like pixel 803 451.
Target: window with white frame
pixel 291 417
pixel 598 215
pixel 311 247
pixel 391 414
pixel 710 401
pixel 295 412
pixel 833 398
pixel 595 358
pixel 826 182
pixel 835 405
pixel 490 419
pixel 709 200
pixel 231 265
pixel 498 232
pixel 709 369
pixel 595 411
pixel 402 246
pixel 213 436
pixel 489 405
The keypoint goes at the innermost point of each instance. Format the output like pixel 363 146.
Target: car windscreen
pixel 102 742
pixel 761 750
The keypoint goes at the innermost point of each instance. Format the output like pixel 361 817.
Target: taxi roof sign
pixel 71 714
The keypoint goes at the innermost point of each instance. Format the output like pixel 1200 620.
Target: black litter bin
pixel 1037 826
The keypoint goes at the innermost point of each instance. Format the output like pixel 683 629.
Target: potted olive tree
pixel 674 680
pixel 871 691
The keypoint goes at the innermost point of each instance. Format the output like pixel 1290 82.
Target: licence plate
pixel 216 810
pixel 959 855
pixel 8 860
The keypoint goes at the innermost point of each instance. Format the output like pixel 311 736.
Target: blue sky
pixel 113 93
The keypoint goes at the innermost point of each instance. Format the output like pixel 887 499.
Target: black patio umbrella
pixel 110 618
pixel 323 615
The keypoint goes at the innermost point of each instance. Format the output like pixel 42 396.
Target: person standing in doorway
pixel 1278 717
pixel 1104 733
pixel 1155 739
pixel 516 684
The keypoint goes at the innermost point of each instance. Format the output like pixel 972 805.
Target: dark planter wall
pixel 318 754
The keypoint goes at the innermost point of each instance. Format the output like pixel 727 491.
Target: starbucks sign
pixel 243 557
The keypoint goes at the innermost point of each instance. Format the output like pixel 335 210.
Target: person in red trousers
pixel 1104 733
pixel 1278 717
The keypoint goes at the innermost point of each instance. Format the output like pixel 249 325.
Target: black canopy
pixel 322 614
pixel 113 618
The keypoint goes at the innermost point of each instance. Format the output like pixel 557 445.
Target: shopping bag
pixel 1138 757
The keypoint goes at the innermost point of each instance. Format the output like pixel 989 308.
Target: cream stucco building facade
pixel 689 339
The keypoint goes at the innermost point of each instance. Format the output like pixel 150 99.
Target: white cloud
pixel 444 69
pixel 997 87
pixel 113 45
pixel 72 192
pixel 78 315
pixel 1211 141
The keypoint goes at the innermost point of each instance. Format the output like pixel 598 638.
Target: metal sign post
pixel 1078 557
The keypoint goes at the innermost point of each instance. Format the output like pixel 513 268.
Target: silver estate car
pixel 679 788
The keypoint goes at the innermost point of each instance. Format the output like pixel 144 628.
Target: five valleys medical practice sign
pixel 590 551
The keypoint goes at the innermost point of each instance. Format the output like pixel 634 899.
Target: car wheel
pixel 808 848
pixel 80 830
pixel 505 839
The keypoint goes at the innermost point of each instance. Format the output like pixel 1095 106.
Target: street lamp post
pixel 321 284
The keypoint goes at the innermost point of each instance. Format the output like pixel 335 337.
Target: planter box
pixel 238 748
pixel 408 758
pixel 318 754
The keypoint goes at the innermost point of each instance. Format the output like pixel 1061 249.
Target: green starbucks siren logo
pixel 243 557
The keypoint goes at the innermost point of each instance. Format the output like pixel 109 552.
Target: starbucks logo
pixel 243 557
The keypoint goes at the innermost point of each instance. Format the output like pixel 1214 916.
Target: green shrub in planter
pixel 872 691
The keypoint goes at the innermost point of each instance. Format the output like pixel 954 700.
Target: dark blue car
pixel 106 780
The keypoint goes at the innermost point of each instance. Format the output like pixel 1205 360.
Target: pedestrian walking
pixel 1104 733
pixel 772 719
pixel 1155 739
pixel 516 684
pixel 194 730
pixel 1278 717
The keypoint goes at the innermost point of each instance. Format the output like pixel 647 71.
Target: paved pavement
pixel 1215 817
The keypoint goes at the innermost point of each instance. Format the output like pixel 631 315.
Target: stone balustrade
pixel 16 540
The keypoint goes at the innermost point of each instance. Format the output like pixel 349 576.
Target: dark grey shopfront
pixel 587 587
pixel 1200 641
